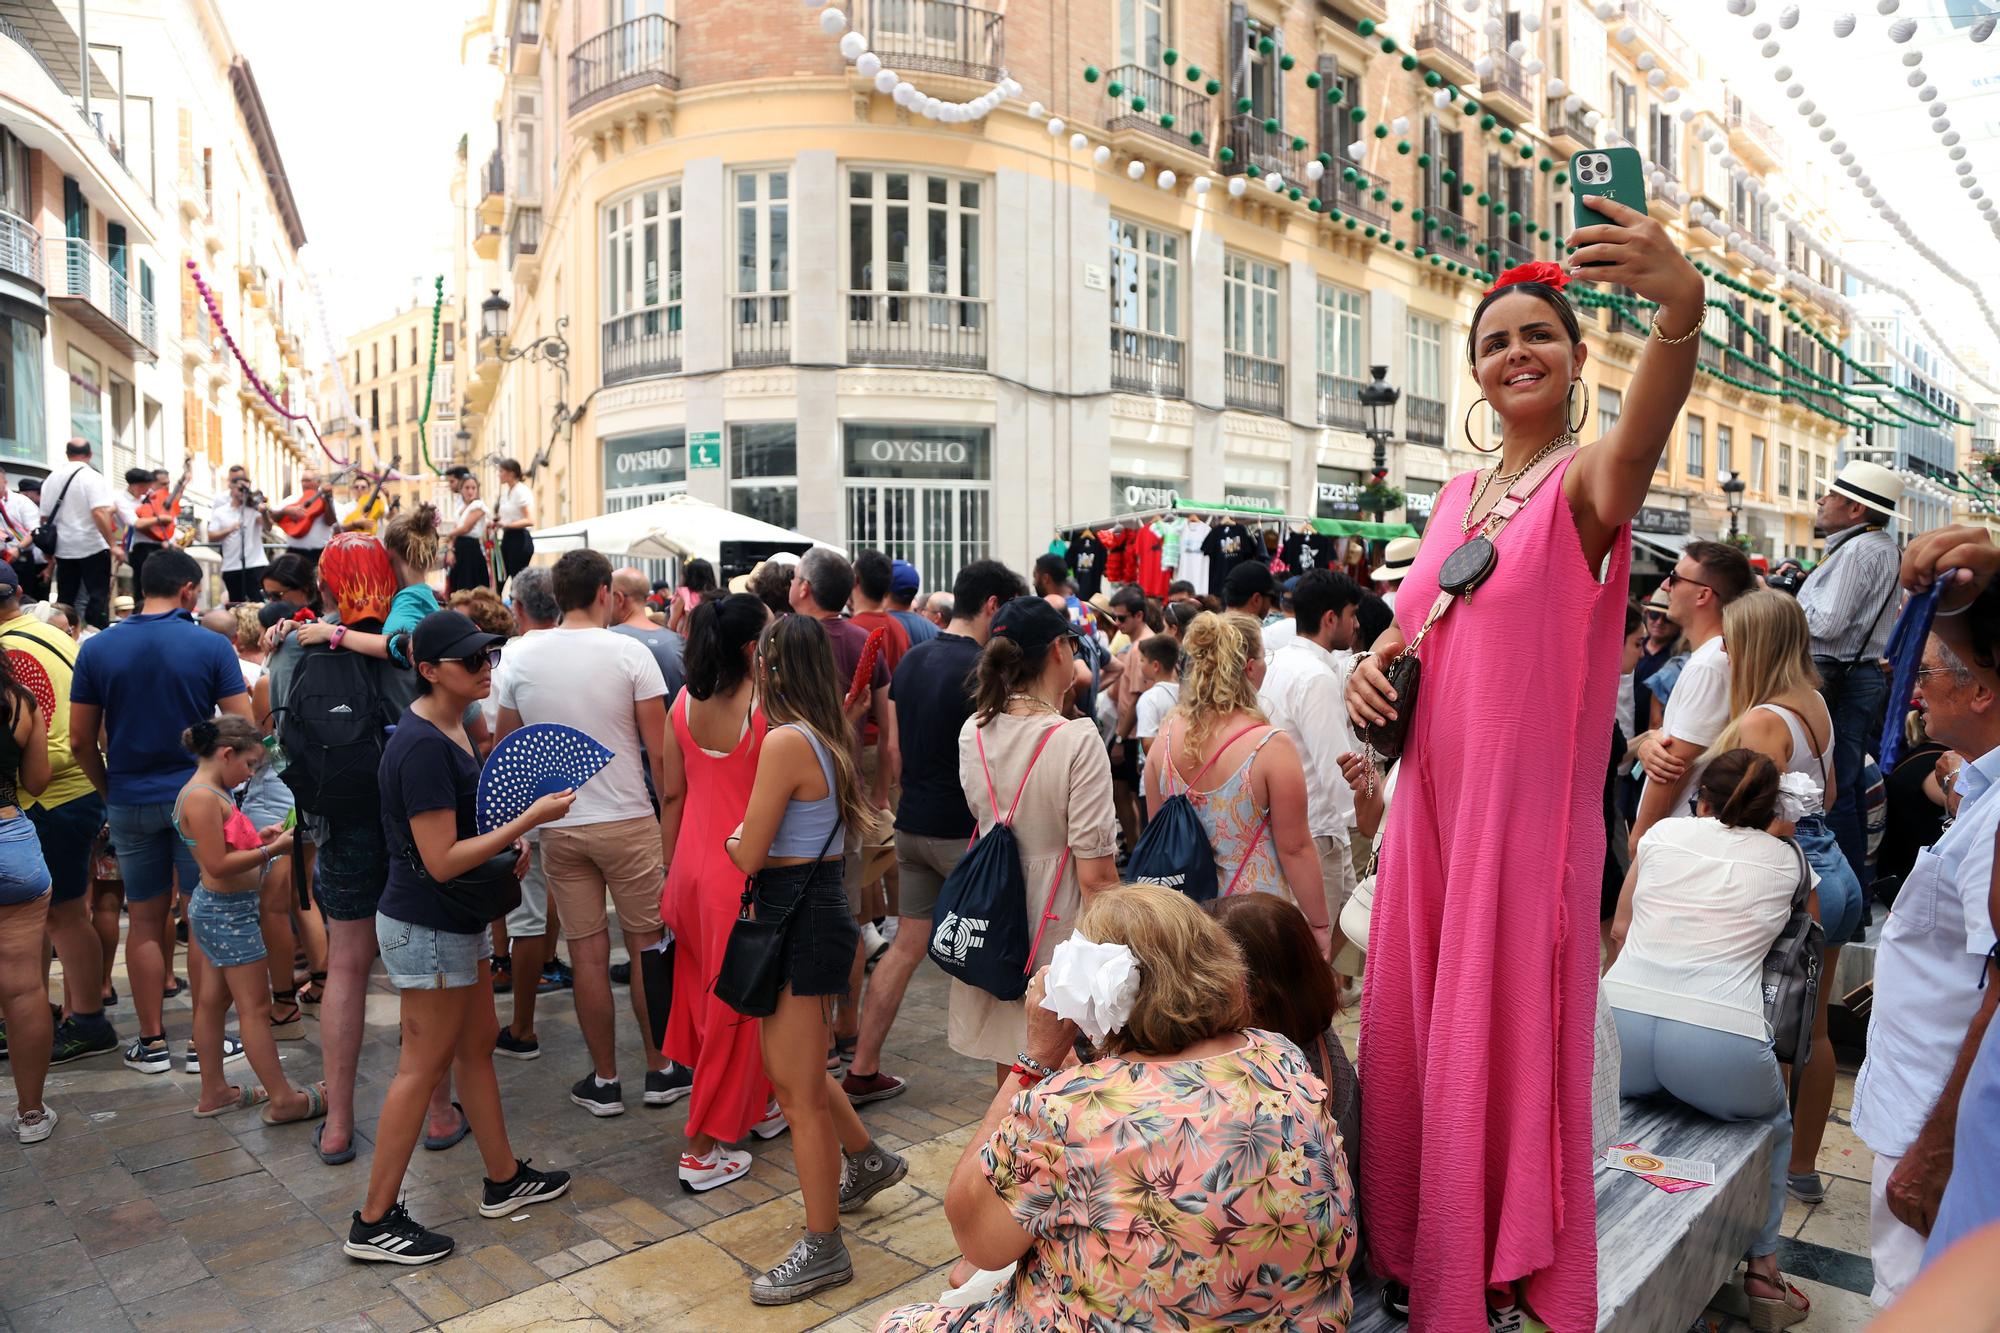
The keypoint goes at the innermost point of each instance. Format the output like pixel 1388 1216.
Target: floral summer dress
pixel 1196 1194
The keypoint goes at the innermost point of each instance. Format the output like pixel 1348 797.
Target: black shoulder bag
pixel 753 962
pixel 46 536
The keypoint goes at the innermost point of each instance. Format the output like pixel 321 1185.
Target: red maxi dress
pixel 1477 1019
pixel 703 894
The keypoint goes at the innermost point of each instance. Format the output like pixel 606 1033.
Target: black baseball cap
pixel 1032 623
pixel 32 485
pixel 1246 581
pixel 444 635
pixel 10 582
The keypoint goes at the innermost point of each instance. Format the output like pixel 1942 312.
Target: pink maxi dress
pixel 1477 1019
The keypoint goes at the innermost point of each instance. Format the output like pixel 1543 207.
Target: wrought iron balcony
pixel 934 36
pixel 1253 383
pixel 524 233
pixel 20 248
pixel 1646 17
pixel 84 286
pixel 1567 124
pixel 1752 136
pixel 898 329
pixel 638 53
pixel 1509 79
pixel 1269 150
pixel 1453 234
pixel 1355 196
pixel 1340 403
pixel 1174 111
pixel 1444 38
pixel 1423 420
pixel 760 329
pixel 1149 363
pixel 1503 254
pixel 642 343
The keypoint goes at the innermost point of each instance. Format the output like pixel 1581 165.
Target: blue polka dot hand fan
pixel 530 763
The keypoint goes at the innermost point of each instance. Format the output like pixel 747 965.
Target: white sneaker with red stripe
pixel 719 1167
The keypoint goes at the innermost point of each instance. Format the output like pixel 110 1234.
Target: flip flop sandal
pixel 437 1144
pixel 176 988
pixel 842 1053
pixel 315 1109
pixel 288 1022
pixel 341 1158
pixel 246 1097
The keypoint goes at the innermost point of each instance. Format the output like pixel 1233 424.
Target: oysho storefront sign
pixel 1131 493
pixel 657 458
pixel 952 453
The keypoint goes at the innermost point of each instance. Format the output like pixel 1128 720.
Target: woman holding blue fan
pixel 447 883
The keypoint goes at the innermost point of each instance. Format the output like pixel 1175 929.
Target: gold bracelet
pixel 1660 334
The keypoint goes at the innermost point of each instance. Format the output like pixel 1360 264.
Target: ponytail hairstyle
pixel 227 732
pixel 412 537
pixel 718 629
pixel 1215 673
pixel 1004 668
pixel 800 686
pixel 1741 788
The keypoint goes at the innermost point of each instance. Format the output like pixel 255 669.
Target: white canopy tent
pixel 679 527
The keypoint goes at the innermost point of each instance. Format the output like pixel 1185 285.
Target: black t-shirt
pixel 1227 546
pixel 422 770
pixel 1304 552
pixel 1086 561
pixel 933 699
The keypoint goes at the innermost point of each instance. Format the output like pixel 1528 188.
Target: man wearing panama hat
pixel 1850 602
pixel 1397 558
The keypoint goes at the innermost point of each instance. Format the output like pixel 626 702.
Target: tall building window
pixel 1343 350
pixel 1697 457
pixel 1784 469
pixel 1725 451
pixel 915 267
pixel 1757 478
pixel 764 472
pixel 1146 346
pixel 763 266
pixel 1426 358
pixel 392 354
pixel 1610 405
pixel 1143 29
pixel 1252 335
pixel 1625 109
pixel 642 284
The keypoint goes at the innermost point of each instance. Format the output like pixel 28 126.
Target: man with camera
pixel 236 526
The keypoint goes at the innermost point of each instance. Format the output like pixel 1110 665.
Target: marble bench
pixel 1661 1257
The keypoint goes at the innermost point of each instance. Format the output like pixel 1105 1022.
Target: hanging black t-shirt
pixel 1304 552
pixel 1086 561
pixel 1228 545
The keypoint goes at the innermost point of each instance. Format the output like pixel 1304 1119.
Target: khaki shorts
pixel 623 856
pixel 870 854
pixel 924 863
pixel 1336 872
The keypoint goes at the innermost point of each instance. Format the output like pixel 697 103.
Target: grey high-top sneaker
pixel 817 1262
pixel 867 1174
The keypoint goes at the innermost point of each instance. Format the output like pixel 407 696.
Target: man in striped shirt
pixel 1850 602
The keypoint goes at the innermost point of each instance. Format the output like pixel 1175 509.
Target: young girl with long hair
pixel 1255 814
pixel 698 585
pixel 224 920
pixel 1776 710
pixel 718 736
pixel 24 906
pixel 807 792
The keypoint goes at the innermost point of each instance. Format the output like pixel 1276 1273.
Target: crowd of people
pixel 1157 844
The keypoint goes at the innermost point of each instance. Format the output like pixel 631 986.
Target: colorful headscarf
pixel 356 570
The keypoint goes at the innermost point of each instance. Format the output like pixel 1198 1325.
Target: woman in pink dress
pixel 1477 1018
pixel 718 734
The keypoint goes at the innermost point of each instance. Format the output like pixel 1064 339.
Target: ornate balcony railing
pixel 1557 119
pixel 1453 234
pixel 1423 420
pixel 642 343
pixel 524 233
pixel 102 298
pixel 1149 363
pixel 760 331
pixel 1174 111
pixel 1508 79
pixel 1270 150
pixel 20 248
pixel 935 36
pixel 1356 196
pixel 1340 403
pixel 638 53
pixel 897 329
pixel 1253 383
pixel 1438 29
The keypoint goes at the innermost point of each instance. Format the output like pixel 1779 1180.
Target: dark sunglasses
pixel 1672 579
pixel 485 657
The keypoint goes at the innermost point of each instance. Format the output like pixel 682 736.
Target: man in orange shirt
pixel 873 572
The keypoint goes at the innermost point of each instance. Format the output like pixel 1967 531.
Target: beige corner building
pixel 383 371
pixel 780 291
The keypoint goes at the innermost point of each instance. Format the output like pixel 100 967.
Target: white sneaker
pixel 773 1123
pixel 34 1126
pixel 718 1168
pixel 889 927
pixel 232 1051
pixel 873 940
pixel 978 1288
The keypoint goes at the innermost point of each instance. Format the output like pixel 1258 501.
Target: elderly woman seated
pixel 1187 1176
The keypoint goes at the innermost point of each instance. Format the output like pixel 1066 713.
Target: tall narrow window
pixel 915 268
pixel 1342 355
pixel 763 266
pixel 1697 460
pixel 1146 345
pixel 1757 478
pixel 1725 452
pixel 642 284
pixel 1142 32
pixel 1253 369
pixel 1423 404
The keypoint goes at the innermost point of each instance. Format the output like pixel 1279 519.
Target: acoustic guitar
pixel 159 516
pixel 315 506
pixel 369 513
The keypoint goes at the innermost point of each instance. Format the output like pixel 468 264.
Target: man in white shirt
pixel 317 501
pixel 86 517
pixel 1304 685
pixel 237 527
pixel 19 517
pixel 582 675
pixel 1707 577
pixel 1935 991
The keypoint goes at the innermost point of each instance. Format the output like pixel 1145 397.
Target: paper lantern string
pixel 256 382
pixel 430 381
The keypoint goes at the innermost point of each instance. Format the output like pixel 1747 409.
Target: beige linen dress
pixel 1066 804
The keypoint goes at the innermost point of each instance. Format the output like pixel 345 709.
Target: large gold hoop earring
pixel 1468 428
pixel 1576 426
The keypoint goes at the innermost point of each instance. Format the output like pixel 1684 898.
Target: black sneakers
pixel 514 1048
pixel 599 1101
pixel 397 1239
pixel 82 1035
pixel 666 1086
pixel 528 1186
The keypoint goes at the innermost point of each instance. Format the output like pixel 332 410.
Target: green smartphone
pixel 1614 172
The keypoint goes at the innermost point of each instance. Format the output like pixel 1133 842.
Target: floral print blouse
pixel 1186 1195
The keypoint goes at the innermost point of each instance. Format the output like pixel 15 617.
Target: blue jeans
pixel 1839 890
pixel 1855 697
pixel 1719 1074
pixel 67 832
pixel 23 875
pixel 150 851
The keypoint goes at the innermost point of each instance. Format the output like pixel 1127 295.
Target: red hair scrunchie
pixel 1544 271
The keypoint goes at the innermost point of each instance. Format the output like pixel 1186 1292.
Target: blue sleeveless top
pixel 806 826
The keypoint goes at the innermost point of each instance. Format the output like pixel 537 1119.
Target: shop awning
pixel 678 527
pixel 1659 545
pixel 1354 527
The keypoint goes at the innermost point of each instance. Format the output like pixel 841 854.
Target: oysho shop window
pixel 920 493
pixel 764 472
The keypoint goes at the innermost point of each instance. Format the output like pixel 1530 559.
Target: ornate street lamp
pixel 1378 401
pixel 1732 494
pixel 493 318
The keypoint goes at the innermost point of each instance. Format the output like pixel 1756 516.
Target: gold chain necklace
pixel 1040 705
pixel 1493 474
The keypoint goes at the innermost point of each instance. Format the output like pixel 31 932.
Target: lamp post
pixel 1732 495
pixel 549 349
pixel 1378 401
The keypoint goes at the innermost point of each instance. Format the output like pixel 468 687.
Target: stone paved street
pixel 135 1215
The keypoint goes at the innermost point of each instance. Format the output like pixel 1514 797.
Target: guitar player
pixel 313 502
pixel 236 525
pixel 139 482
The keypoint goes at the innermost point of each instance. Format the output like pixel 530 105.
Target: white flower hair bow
pixel 1092 985
pixel 1798 797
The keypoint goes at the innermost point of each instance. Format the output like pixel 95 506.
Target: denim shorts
pixel 67 832
pixel 23 875
pixel 1839 891
pixel 423 958
pixel 820 944
pixel 227 928
pixel 353 866
pixel 150 852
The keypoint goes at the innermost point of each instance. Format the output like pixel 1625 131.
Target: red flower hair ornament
pixel 1547 273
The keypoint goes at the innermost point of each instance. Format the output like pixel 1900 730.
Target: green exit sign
pixel 704 448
